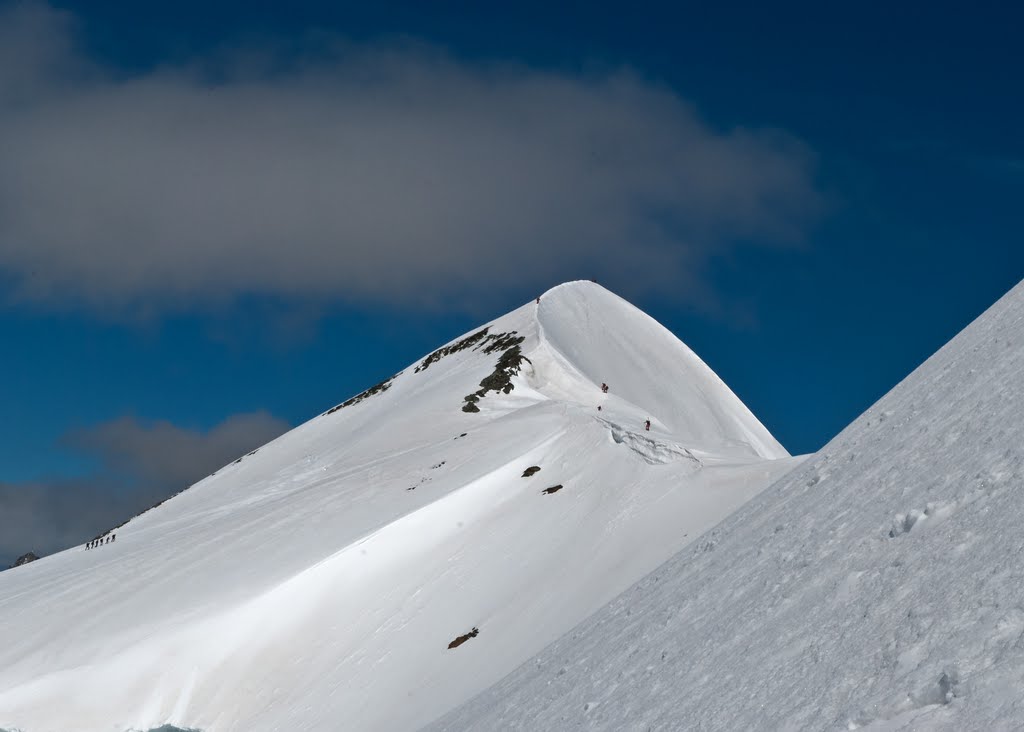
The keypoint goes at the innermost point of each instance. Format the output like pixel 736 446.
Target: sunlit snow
pixel 385 562
pixel 878 586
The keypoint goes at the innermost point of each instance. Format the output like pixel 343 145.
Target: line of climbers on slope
pixel 96 542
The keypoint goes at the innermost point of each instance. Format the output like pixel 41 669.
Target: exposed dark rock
pixel 377 389
pixel 552 489
pixel 460 345
pixel 508 365
pixel 502 342
pixel 499 380
pixel 489 342
pixel 463 638
pixel 250 454
pixel 24 559
pixel 533 469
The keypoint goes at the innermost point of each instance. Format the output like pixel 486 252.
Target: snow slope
pixel 316 583
pixel 878 586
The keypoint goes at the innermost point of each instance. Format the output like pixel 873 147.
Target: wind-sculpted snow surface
pixel 878 586
pixel 384 562
pixel 678 391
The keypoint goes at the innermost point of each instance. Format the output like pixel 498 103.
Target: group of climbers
pixel 604 390
pixel 96 542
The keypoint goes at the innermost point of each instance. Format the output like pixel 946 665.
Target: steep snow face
pixel 878 586
pixel 384 562
pixel 601 338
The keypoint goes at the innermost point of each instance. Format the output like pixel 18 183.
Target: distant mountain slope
pixel 382 563
pixel 879 586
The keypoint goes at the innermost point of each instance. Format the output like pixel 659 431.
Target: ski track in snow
pixel 321 582
pixel 879 586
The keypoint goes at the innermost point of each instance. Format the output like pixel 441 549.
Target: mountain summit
pixel 878 586
pixel 389 559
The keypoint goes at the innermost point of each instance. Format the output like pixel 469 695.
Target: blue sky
pixel 815 199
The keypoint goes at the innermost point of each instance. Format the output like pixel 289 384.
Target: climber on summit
pixel 604 387
pixel 647 425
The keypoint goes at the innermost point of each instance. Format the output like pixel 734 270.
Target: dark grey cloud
pixel 140 463
pixel 161 453
pixel 393 173
pixel 44 517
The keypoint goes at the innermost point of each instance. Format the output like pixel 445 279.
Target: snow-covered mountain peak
pixel 599 337
pixel 578 337
pixel 380 564
pixel 877 587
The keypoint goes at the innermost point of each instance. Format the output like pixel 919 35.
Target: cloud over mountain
pixel 139 463
pixel 388 172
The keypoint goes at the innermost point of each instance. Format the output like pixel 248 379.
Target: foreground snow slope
pixel 878 586
pixel 317 583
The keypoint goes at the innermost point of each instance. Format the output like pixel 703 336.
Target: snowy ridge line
pixel 876 587
pixel 608 340
pixel 263 616
pixel 546 346
pixel 285 493
pixel 320 583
